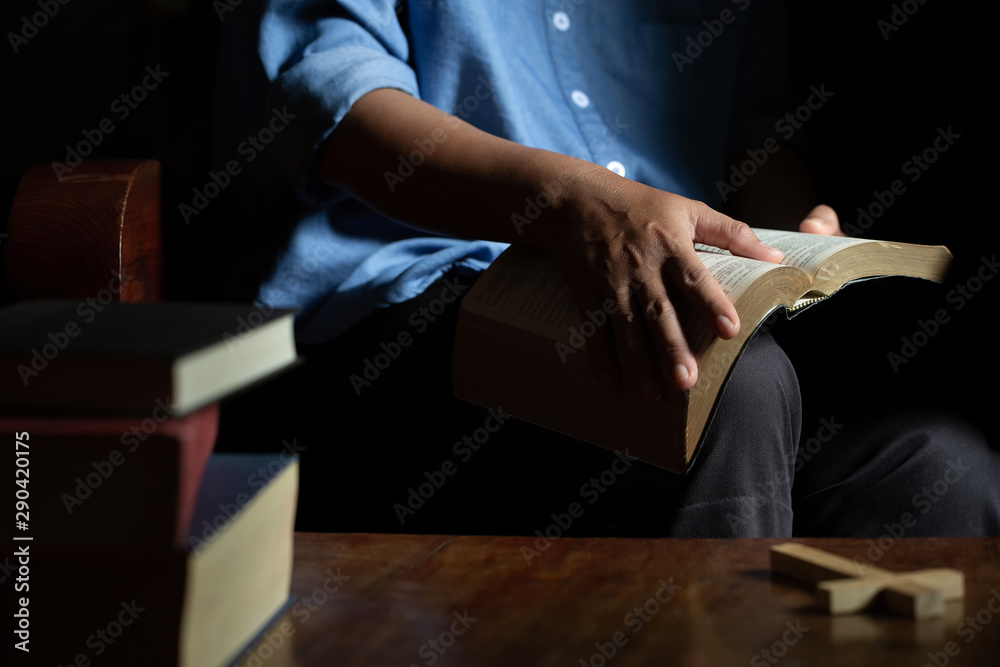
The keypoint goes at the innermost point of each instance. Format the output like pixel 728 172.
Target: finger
pixel 721 231
pixel 700 287
pixel 822 220
pixel 603 360
pixel 600 341
pixel 600 344
pixel 669 342
pixel 639 370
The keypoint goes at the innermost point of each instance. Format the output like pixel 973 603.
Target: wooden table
pixel 367 599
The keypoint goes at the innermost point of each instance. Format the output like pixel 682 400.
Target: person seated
pixel 418 133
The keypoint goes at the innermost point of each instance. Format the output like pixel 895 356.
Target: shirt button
pixel 561 21
pixel 580 99
pixel 616 167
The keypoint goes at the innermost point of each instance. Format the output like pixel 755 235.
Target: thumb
pixel 822 220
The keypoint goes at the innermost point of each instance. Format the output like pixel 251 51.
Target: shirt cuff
pixel 318 92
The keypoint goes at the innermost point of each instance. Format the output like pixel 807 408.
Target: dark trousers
pixel 385 447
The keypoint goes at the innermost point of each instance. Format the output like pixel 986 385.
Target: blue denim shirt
pixel 662 92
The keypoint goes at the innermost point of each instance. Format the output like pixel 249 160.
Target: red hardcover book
pixel 110 479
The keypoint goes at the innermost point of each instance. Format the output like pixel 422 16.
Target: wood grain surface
pixel 367 599
pixel 92 232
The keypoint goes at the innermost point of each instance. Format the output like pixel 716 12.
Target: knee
pixel 758 416
pixel 764 391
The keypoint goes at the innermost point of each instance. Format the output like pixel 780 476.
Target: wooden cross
pixel 843 589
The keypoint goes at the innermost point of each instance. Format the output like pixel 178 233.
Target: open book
pixel 520 341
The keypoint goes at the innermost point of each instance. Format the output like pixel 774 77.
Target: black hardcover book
pixel 82 357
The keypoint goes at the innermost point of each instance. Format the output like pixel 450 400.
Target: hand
pixel 618 240
pixel 822 220
pixel 631 245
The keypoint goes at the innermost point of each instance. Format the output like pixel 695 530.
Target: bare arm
pixel 616 238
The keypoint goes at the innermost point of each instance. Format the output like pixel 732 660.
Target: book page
pixel 734 274
pixel 806 251
pixel 525 289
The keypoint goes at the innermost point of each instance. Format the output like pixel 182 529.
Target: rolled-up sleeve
pixel 320 57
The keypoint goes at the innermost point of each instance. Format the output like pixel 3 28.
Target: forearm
pixel 618 242
pixel 431 170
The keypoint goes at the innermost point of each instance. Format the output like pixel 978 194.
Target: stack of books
pixel 132 542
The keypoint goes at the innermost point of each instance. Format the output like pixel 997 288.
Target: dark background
pixel 938 70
